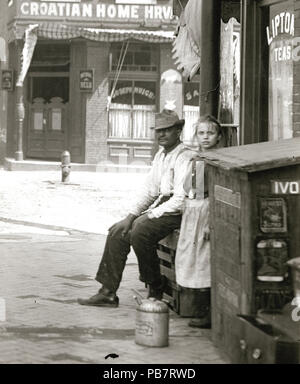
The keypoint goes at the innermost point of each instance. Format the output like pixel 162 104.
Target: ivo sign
pixel 285 187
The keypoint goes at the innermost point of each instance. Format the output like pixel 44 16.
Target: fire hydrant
pixel 65 166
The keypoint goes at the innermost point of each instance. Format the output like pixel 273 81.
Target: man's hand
pixel 122 226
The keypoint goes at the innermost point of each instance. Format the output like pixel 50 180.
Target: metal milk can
pixel 152 323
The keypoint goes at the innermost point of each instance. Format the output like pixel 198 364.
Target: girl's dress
pixel 192 262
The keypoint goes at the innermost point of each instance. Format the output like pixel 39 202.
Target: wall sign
pixel 95 10
pixel 285 187
pixel 191 94
pixel 7 79
pixel 137 90
pixel 86 80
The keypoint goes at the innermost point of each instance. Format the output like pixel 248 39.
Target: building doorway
pixel 48 102
pixel 48 116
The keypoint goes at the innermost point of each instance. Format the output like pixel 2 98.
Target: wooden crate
pixel 183 301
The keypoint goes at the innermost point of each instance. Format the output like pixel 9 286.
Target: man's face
pixel 168 137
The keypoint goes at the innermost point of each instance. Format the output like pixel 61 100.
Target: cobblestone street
pixel 44 268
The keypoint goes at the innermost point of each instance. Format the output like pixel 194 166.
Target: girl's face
pixel 207 135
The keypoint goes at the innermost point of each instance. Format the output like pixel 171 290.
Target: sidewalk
pixel 45 270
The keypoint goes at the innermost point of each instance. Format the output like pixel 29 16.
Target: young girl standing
pixel 192 263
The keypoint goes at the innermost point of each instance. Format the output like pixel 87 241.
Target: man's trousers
pixel 143 237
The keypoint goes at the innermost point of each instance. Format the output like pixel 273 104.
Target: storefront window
pixel 191 110
pixel 279 34
pixel 132 110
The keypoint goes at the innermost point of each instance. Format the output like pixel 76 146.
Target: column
pixel 210 57
pixel 20 108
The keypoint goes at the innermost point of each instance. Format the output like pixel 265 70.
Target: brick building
pixel 92 74
pixel 89 77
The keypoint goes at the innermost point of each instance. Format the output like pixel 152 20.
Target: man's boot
pixel 203 311
pixel 156 290
pixel 104 298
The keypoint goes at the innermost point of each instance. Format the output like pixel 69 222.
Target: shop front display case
pixel 255 219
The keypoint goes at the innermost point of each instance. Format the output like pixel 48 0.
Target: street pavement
pixel 50 248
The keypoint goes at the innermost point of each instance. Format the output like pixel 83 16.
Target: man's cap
pixel 166 119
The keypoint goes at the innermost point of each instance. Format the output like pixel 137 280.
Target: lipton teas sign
pixel 282 29
pixel 92 9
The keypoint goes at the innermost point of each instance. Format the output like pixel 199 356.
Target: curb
pixel 71 231
pixel 36 165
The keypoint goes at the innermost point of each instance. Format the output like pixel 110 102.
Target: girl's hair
pixel 209 119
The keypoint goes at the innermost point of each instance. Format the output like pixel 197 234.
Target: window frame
pixel 254 112
pixel 154 49
pixel 131 138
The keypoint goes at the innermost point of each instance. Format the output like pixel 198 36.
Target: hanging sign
pixel 7 79
pixel 86 80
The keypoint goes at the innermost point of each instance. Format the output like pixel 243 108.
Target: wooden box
pixel 183 301
pixel 255 341
pixel 254 217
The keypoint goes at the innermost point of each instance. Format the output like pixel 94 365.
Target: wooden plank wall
pixel 225 222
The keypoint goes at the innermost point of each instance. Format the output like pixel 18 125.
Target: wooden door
pixel 48 122
pixel 48 125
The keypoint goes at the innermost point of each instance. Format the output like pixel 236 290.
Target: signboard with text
pixel 86 80
pixel 94 10
pixel 285 187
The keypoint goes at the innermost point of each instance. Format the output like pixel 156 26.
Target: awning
pixel 58 31
pixel 55 31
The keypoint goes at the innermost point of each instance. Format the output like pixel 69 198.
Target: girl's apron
pixel 192 262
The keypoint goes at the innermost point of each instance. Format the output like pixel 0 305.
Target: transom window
pixel 139 57
pixel 51 58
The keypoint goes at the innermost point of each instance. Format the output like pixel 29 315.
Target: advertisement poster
pixel 273 215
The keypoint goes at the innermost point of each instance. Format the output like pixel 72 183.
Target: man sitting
pixel 155 214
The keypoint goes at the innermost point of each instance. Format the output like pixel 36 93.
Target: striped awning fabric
pixel 55 31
